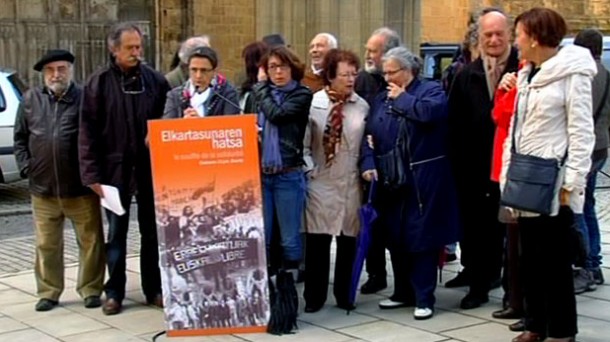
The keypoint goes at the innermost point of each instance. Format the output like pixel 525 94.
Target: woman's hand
pixel 262 75
pixel 508 82
pixel 190 113
pixel 369 175
pixel 394 90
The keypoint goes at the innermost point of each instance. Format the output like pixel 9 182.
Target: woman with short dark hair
pixel 283 105
pixel 206 93
pixel 552 121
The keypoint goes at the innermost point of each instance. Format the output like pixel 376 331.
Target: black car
pixel 437 57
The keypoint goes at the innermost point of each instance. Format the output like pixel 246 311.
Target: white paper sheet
pixel 112 199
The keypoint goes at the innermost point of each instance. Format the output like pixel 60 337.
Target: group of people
pixel 433 157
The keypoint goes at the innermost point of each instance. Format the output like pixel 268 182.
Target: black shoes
pixel 310 308
pixel 460 280
pixel 93 302
pixel 508 313
pixel 472 301
pixel 598 276
pixel 45 304
pixel 583 281
pixel 373 285
pixel 517 326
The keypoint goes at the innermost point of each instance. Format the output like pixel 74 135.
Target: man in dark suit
pixel 471 143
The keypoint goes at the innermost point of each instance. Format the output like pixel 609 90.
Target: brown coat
pixel 314 82
pixel 334 193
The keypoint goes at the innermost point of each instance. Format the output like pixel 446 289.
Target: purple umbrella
pixel 367 215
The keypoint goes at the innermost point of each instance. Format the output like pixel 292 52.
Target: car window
pixel 18 85
pixel 2 101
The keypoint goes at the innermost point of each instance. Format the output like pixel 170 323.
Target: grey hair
pixel 330 39
pixel 114 37
pixel 405 58
pixel 392 39
pixel 191 44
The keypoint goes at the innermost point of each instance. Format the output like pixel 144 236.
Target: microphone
pixel 214 84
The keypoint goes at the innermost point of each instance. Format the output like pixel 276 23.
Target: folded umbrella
pixel 367 216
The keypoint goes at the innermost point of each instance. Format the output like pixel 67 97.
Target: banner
pixel 210 225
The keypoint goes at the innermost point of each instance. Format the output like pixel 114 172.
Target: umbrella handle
pixel 371 190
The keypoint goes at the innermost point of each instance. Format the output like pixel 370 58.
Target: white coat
pixel 554 117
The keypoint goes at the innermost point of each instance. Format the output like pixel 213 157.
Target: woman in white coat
pixel 554 120
pixel 331 152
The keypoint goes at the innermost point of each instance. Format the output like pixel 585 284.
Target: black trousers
pixel 317 261
pixel 482 242
pixel 116 246
pixel 375 258
pixel 550 304
pixel 512 269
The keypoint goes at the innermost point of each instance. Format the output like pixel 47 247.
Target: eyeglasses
pixel 392 72
pixel 274 67
pixel 133 85
pixel 348 75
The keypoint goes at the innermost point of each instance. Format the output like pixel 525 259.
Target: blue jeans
pixel 284 200
pixel 587 221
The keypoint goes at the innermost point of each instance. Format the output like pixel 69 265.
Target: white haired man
pixel 46 132
pixel 319 46
pixel 180 73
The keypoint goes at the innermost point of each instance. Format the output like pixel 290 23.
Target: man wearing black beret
pixel 46 137
pixel 119 99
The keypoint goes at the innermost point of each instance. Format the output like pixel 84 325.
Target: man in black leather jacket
pixel 46 134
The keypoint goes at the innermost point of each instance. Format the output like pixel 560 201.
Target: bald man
pixel 471 140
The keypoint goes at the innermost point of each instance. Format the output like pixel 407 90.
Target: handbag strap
pixel 598 112
pixel 515 115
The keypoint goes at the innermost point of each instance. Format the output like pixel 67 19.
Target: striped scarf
pixel 334 125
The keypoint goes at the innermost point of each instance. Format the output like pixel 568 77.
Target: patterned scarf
pixel 272 157
pixel 334 125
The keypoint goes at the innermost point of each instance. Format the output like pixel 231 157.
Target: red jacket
pixel 504 105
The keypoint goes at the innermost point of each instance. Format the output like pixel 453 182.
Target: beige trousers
pixel 85 214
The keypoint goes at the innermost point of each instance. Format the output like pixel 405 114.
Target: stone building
pixel 29 27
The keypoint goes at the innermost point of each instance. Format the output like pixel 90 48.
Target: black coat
pixel 290 117
pixel 46 142
pixel 471 128
pixel 114 117
pixel 368 86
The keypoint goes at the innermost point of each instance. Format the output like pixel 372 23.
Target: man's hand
pixel 190 113
pixel 508 82
pixel 369 175
pixel 97 188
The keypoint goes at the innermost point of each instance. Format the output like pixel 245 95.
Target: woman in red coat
pixel 504 105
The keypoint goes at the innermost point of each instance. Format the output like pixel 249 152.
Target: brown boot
pixel 565 339
pixel 156 301
pixel 527 336
pixel 111 307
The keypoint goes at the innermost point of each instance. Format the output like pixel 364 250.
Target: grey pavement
pixel 72 322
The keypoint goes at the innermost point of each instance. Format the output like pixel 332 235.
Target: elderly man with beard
pixel 46 132
pixel 369 84
pixel 118 100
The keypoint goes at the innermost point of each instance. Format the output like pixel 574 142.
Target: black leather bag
pixel 530 183
pixel 391 166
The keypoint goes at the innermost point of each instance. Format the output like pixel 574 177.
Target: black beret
pixel 274 39
pixel 54 56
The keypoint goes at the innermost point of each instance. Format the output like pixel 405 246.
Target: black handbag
pixel 530 181
pixel 391 166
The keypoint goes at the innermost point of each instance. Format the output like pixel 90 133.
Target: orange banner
pixel 210 227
